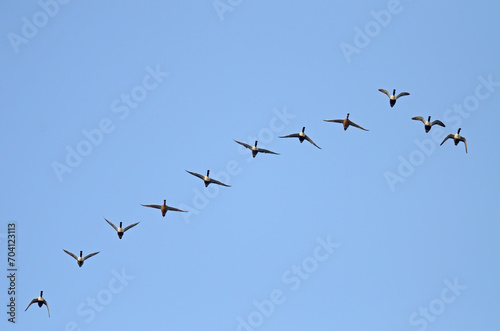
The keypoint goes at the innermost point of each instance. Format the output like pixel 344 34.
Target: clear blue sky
pixel 105 105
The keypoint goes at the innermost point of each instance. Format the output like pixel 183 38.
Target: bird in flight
pixel 301 136
pixel 41 301
pixel 428 124
pixel 119 230
pixel 80 259
pixel 164 208
pixel 393 97
pixel 207 179
pixel 346 122
pixel 255 149
pixel 456 139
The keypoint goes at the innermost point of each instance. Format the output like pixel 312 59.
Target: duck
pixel 207 179
pixel 256 149
pixel 456 139
pixel 393 97
pixel 120 231
pixel 346 122
pixel 164 208
pixel 428 124
pixel 80 259
pixel 41 301
pixel 301 136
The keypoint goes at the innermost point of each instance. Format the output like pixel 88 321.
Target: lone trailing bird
pixel 80 259
pixel 120 231
pixel 256 149
pixel 428 124
pixel 456 139
pixel 346 122
pixel 393 97
pixel 301 136
pixel 207 179
pixel 164 208
pixel 41 301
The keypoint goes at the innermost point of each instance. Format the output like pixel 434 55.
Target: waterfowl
pixel 255 149
pixel 393 97
pixel 41 301
pixel 346 122
pixel 120 231
pixel 428 124
pixel 301 136
pixel 80 259
pixel 456 139
pixel 207 179
pixel 164 208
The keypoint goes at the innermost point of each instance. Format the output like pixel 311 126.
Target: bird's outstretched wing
pixel 110 223
pixel 262 150
pixel 335 121
pixel 90 255
pixel 215 181
pixel 357 126
pixel 293 135
pixel 152 206
pixel 438 122
pixel 402 94
pixel 196 174
pixel 419 118
pixel 71 254
pixel 45 302
pixel 385 92
pixel 243 144
pixel 175 209
pixel 311 141
pixel 130 226
pixel 465 143
pixel 447 137
pixel 32 301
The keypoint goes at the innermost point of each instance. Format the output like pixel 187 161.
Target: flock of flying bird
pixel 346 122
pixel 427 124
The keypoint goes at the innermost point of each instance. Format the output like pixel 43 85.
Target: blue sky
pixel 106 105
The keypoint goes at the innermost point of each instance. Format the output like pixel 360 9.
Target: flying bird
pixel 119 230
pixel 207 179
pixel 346 122
pixel 80 259
pixel 393 97
pixel 41 301
pixel 456 139
pixel 428 124
pixel 301 136
pixel 164 208
pixel 256 149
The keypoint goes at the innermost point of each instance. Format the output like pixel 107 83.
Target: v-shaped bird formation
pixel 207 180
